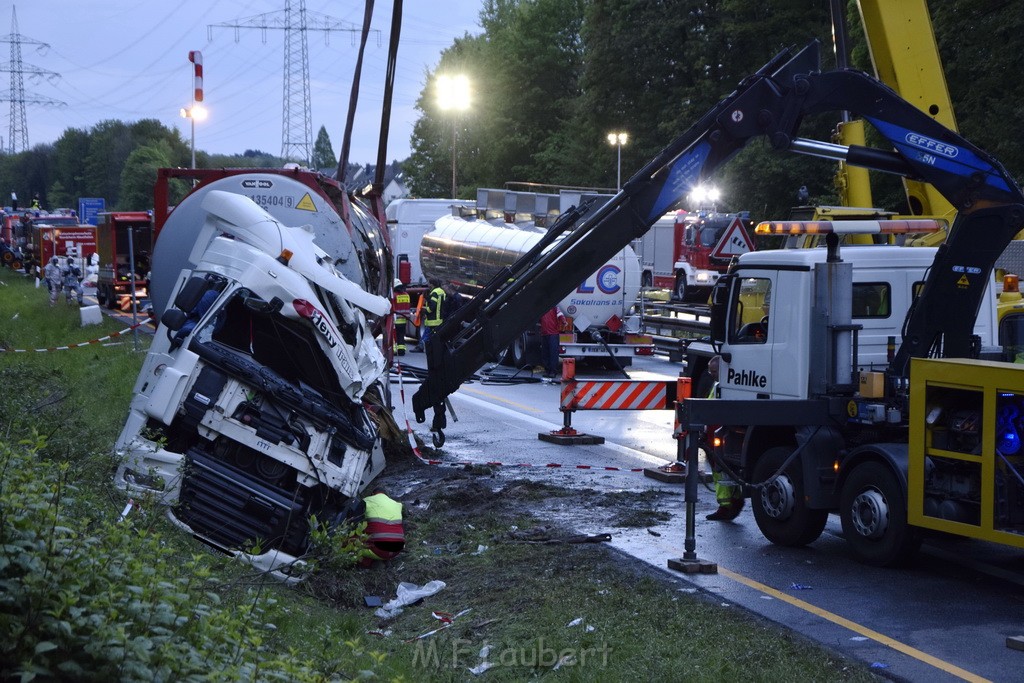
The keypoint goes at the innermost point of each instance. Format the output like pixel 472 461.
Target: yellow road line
pixel 499 399
pixel 856 628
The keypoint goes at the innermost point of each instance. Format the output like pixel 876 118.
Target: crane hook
pixel 438 438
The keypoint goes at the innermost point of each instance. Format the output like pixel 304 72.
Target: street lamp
pixel 618 140
pixel 453 95
pixel 196 111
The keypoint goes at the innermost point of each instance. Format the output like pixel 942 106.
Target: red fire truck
pixel 687 252
pixel 52 235
pixel 125 246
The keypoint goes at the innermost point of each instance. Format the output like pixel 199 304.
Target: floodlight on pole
pixel 194 113
pixel 617 140
pixel 453 95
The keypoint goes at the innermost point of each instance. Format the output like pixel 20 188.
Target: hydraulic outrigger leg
pixel 689 563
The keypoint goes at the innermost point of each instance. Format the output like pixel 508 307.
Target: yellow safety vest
pixel 402 301
pixel 384 526
pixel 434 302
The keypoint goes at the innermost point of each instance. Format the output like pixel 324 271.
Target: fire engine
pixel 125 247
pixel 686 252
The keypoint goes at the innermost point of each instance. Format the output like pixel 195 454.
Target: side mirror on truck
pixel 720 307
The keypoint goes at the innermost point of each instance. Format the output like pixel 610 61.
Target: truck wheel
pixel 514 355
pixel 647 280
pixel 681 290
pixel 519 353
pixel 780 510
pixel 111 302
pixel 873 509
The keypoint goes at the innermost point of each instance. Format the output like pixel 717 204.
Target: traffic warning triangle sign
pixel 735 241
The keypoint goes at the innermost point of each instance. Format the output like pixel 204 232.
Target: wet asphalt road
pixel 946 618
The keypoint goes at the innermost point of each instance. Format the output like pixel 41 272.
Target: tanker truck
pixel 602 324
pixel 256 408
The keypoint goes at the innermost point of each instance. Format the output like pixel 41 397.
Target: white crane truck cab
pixel 774 344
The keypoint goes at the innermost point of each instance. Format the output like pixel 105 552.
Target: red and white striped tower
pixel 196 57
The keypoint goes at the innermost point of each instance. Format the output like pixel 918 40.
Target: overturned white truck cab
pixel 250 413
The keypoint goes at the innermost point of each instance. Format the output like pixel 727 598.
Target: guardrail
pixel 673 326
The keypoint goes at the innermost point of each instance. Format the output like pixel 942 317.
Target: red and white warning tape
pixel 493 463
pixel 548 465
pixel 408 427
pixel 110 336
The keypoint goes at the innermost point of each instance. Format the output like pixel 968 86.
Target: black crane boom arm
pixel 770 103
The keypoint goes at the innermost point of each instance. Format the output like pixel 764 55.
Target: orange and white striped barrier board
pixel 618 395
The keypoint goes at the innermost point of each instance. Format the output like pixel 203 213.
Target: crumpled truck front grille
pixel 230 508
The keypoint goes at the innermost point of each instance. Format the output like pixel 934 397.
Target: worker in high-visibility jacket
pixel 401 305
pixel 384 530
pixel 433 310
pixel 728 495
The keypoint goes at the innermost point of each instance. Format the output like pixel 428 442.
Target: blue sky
pixel 128 60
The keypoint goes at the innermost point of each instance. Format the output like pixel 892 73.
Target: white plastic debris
pixel 407 594
pixel 127 508
pixel 566 660
pixel 484 665
pixel 480 550
pixel 575 622
pixel 480 668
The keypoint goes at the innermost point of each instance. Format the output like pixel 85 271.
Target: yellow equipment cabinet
pixel 966 460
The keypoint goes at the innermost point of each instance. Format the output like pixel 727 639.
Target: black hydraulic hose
pixel 611 355
pixel 515 378
pixel 720 462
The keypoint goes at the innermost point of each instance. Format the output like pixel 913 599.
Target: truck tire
pixel 647 280
pixel 780 510
pixel 873 509
pixel 518 349
pixel 681 290
pixel 523 352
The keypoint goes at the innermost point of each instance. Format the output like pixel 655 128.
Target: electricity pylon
pixel 297 117
pixel 18 131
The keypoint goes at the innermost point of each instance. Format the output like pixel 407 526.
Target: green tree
pixel 35 172
pixel 974 38
pixel 59 197
pixel 68 169
pixel 323 153
pixel 551 78
pixel 523 76
pixel 109 146
pixel 430 163
pixel 249 159
pixel 111 142
pixel 139 174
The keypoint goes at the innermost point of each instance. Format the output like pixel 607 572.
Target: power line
pixel 297 117
pixel 18 130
